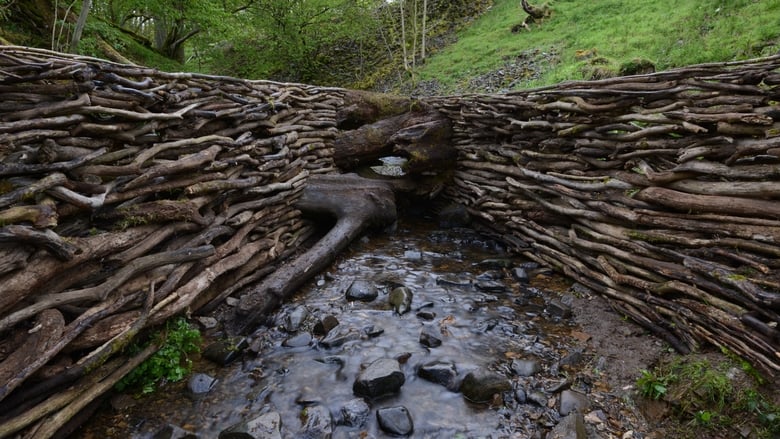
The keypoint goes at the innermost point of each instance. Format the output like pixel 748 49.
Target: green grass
pixel 712 395
pixel 669 33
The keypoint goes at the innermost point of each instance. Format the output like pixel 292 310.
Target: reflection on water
pixel 463 285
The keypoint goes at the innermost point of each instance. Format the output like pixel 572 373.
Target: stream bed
pixel 417 332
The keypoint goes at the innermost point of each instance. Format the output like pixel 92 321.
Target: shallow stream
pixel 467 292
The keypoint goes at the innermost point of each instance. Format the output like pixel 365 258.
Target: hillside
pixel 596 39
pixel 472 46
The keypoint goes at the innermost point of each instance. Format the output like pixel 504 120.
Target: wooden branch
pixel 46 238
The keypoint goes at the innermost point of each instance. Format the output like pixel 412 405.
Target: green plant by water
pixel 169 364
pixel 711 396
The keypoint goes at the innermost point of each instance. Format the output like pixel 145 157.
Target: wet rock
pixel 207 322
pixel 401 299
pixel 171 431
pixel 556 308
pixel 430 337
pixel 297 341
pixel 572 359
pixel 521 275
pixel 559 386
pixel 354 413
pixel 372 331
pixel 266 426
pixel 526 368
pixel 538 398
pixel 520 395
pixel 439 372
pixel 396 421
pixel 382 377
pixel 362 290
pixel 480 385
pixel 454 215
pixel 331 359
pixel 491 286
pixel 426 315
pixel 413 255
pixel 318 424
pixel 295 318
pixel 424 305
pixel 455 280
pixel 339 335
pixel 570 427
pixel 224 351
pixel 572 401
pixel 496 263
pixel 200 384
pixel 323 326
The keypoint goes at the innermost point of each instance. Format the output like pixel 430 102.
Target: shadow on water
pixel 467 292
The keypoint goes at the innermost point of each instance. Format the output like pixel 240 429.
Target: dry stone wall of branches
pixel 129 195
pixel 661 192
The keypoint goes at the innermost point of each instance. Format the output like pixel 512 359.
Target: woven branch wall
pixel 129 195
pixel 661 192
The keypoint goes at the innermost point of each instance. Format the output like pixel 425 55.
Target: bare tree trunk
pixel 86 5
pixel 424 29
pixel 403 36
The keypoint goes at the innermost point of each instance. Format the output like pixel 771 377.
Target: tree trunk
pixel 80 23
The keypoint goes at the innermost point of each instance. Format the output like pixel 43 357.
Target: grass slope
pixel 669 33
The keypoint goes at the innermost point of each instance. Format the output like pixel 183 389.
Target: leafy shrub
pixel 170 363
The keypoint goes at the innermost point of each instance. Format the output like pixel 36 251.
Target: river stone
pixel 373 331
pixel 171 431
pixel 413 255
pixel 454 215
pixel 439 372
pixel 556 308
pixel 572 401
pixel 207 322
pixel 454 279
pixel 395 421
pixel 295 318
pixel 538 398
pixel 426 315
pixel 354 413
pixel 480 385
pixel 572 359
pixel 570 427
pixel 266 426
pixel 339 335
pixel 491 286
pixel 319 423
pixel 429 337
pixel 323 327
pixel 226 350
pixel 382 377
pixel 297 341
pixel 526 368
pixel 362 290
pixel 200 383
pixel 401 299
pixel 495 263
pixel 521 275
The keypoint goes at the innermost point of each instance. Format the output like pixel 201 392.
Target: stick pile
pixel 127 196
pixel 660 192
